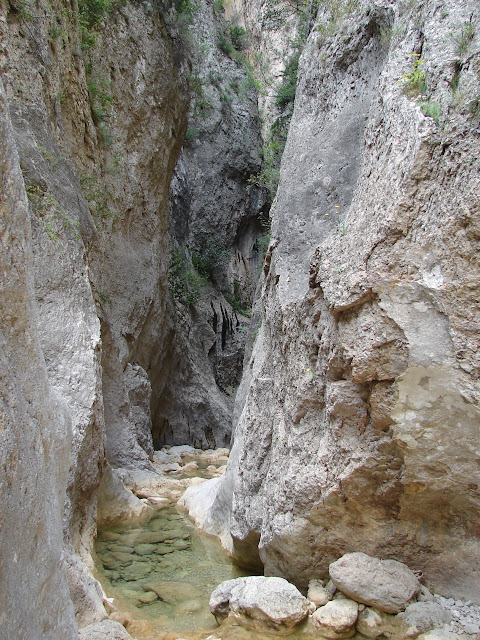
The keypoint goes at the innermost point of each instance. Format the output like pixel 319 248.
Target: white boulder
pixel 270 602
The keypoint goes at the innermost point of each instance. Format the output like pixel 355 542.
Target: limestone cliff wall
pixel 358 425
pixel 35 432
pixel 217 212
pixel 94 291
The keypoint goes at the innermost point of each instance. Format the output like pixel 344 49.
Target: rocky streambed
pixel 158 575
pixel 164 579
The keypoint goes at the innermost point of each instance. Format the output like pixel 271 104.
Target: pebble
pixel 466 617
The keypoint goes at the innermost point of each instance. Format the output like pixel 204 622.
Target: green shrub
pixel 100 97
pixel 463 39
pixel 49 212
pixel 236 303
pixel 224 44
pixel 210 256
pixel 238 37
pixel 184 283
pixel 431 109
pixel 286 90
pixel 414 81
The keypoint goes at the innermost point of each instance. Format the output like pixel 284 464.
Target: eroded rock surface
pixel 97 263
pixel 35 433
pixel 271 602
pixel 357 413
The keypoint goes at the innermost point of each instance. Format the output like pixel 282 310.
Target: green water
pixel 164 572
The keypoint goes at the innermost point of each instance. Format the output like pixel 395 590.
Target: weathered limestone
pixel 318 593
pixel 357 419
pixel 215 214
pixel 35 432
pixel 272 602
pixel 97 260
pixel 387 585
pixel 105 630
pixel 117 505
pixel 336 619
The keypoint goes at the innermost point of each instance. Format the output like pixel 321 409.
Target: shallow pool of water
pixel 164 572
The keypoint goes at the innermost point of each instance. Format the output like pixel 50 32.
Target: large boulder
pixel 387 585
pixel 271 602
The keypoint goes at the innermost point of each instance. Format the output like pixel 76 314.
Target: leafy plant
pixel 100 97
pixel 238 37
pixel 49 211
pixel 190 134
pixel 237 304
pixel 20 9
pixel 210 256
pixel 286 90
pixel 98 200
pixel 431 109
pixel 184 283
pixel 91 13
pixel 463 39
pixel 272 155
pixel 414 80
pixel 49 155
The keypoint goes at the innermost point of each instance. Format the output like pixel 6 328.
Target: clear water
pixel 164 572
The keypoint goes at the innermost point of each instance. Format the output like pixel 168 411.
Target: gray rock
pixel 105 630
pixel 336 619
pixel 387 585
pixel 370 623
pixel 424 595
pixel 35 430
pixel 117 505
pixel 272 602
pixel 172 592
pixel 359 344
pixel 317 593
pixel 438 634
pixel 420 617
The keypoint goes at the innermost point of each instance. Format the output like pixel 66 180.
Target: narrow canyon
pixel 243 230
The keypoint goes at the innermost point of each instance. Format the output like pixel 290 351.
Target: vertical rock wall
pixel 216 218
pixel 359 407
pixel 35 433
pixel 93 292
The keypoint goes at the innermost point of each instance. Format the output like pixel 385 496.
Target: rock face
pixel 35 435
pixel 216 219
pixel 95 242
pixel 270 601
pixel 358 411
pixel 387 585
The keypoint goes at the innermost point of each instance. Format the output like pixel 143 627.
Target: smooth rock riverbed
pixel 163 572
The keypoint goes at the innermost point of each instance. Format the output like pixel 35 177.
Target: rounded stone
pixel 387 585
